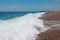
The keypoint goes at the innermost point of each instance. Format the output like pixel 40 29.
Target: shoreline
pixel 52 20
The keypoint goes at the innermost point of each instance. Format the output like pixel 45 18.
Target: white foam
pixel 21 28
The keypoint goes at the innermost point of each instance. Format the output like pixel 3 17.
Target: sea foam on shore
pixel 26 27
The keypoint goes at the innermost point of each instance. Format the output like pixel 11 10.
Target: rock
pixel 49 35
pixel 55 15
pixel 52 20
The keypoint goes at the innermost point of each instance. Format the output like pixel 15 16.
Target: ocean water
pixel 9 15
pixel 20 26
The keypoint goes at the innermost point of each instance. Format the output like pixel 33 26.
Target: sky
pixel 29 5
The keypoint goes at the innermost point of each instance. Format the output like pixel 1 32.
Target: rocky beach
pixel 52 20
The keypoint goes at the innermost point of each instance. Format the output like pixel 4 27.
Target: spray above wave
pixel 22 28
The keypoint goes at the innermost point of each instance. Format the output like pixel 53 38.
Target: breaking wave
pixel 22 28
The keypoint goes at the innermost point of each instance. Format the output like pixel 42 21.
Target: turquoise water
pixel 9 15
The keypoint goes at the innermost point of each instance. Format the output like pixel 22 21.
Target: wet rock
pixel 49 35
pixel 52 20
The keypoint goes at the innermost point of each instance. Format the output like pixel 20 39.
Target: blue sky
pixel 29 5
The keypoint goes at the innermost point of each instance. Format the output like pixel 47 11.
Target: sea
pixel 21 25
pixel 9 15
